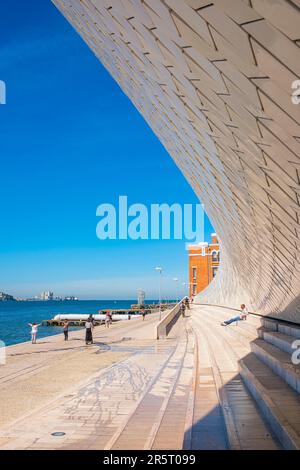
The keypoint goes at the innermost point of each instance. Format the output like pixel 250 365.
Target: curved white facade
pixel 214 81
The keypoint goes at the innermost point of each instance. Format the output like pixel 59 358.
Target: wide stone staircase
pixel 263 349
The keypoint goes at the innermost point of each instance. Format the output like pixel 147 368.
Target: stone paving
pixel 37 374
pixel 91 413
pixel 95 411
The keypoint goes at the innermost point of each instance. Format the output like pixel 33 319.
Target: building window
pixel 194 289
pixel 214 270
pixel 215 256
pixel 194 273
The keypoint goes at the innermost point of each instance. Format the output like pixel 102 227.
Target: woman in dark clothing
pixel 89 325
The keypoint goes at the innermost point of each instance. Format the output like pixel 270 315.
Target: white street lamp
pixel 159 269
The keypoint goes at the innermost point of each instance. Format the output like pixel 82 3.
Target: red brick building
pixel 204 261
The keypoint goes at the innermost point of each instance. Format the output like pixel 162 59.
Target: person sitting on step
pixel 242 316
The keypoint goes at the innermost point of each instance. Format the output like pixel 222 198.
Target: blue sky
pixel 71 140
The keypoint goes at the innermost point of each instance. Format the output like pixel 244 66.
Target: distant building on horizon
pixel 204 259
pixel 47 295
pixel 141 297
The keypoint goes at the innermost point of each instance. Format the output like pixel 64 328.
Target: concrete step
pixel 242 330
pixel 290 330
pixel 281 327
pixel 248 329
pixel 205 429
pixel 242 335
pixel 224 314
pixel 280 340
pixel 245 427
pixel 254 320
pixel 278 403
pixel 279 361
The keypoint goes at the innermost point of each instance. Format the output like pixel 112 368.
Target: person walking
pixel 242 316
pixel 143 315
pixel 182 309
pixel 187 303
pixel 108 319
pixel 34 331
pixel 89 325
pixel 66 329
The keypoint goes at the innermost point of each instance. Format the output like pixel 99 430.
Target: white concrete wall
pixel 214 82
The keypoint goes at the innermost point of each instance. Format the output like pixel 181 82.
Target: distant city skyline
pixel 64 152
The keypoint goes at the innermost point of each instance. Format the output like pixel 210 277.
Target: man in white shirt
pixel 242 316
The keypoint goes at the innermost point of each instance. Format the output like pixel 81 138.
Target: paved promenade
pixel 36 374
pixel 87 392
pixel 130 391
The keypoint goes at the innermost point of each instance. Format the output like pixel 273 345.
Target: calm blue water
pixel 15 316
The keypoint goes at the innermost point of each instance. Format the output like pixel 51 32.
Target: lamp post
pixel 184 288
pixel 159 269
pixel 176 280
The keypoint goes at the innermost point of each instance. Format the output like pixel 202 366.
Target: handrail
pixel 266 317
pixel 164 326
